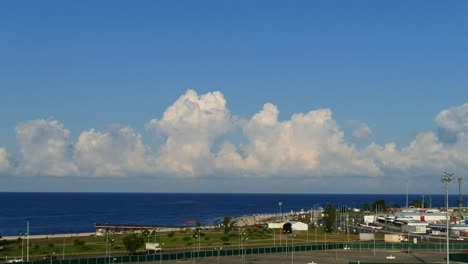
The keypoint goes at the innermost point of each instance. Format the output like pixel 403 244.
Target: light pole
pixel 110 248
pixel 374 243
pixel 217 258
pixel 315 229
pixel 52 257
pixel 244 250
pixel 160 252
pixel 460 198
pixel 27 241
pixel 193 251
pixel 292 251
pixel 274 237
pixel 446 178
pixel 281 219
pixel 325 231
pixel 406 193
pixel 22 246
pixel 63 252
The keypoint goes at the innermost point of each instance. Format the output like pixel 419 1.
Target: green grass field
pixel 181 240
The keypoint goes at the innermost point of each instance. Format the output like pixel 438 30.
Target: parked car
pixel 16 260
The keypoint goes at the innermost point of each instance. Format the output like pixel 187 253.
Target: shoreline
pixel 246 220
pixel 51 236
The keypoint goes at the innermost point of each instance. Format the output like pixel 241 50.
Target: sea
pixel 65 213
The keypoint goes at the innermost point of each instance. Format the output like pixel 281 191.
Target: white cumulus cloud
pixel 190 126
pixel 4 162
pixel 306 144
pixel 195 131
pixel 117 152
pixel 363 131
pixel 452 122
pixel 45 148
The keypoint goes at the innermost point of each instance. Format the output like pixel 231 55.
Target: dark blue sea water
pixel 54 213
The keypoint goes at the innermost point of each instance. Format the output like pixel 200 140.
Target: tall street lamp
pixel 22 246
pixel 63 252
pixel 325 231
pixel 244 249
pixel 292 251
pixel 160 252
pixel 446 178
pixel 27 241
pixel 281 219
pixel 217 257
pixel 193 251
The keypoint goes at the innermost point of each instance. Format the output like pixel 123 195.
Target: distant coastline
pixel 72 213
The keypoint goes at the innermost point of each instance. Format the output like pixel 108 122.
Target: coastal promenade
pixel 52 236
pixel 247 220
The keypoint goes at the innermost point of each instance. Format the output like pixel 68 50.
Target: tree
pixel 419 204
pixel 365 207
pixel 378 205
pixel 133 242
pixel 329 217
pixel 79 243
pixel 227 224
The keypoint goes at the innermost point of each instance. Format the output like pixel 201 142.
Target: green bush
pixel 133 242
pixel 79 243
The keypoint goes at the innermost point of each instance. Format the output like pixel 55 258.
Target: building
pixel 298 226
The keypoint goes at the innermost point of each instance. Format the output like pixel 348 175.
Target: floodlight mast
pixel 446 178
pixel 460 198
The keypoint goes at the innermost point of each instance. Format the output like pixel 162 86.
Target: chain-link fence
pixel 249 251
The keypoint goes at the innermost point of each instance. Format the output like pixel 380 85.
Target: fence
pixel 248 251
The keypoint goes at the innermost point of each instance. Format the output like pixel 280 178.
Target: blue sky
pixel 388 68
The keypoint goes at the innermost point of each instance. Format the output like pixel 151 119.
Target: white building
pixel 298 226
pixel 275 225
pixel 415 227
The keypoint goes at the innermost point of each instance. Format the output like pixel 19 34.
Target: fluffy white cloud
pixel 195 143
pixel 191 125
pixel 4 163
pixel 363 131
pixel 119 151
pixel 45 148
pixel 307 144
pixel 452 122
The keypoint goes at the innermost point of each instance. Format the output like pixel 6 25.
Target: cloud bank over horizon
pixel 196 140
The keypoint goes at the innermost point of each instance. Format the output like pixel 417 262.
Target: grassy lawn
pixel 181 240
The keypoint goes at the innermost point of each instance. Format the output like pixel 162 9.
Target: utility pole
pixel 27 241
pixel 406 193
pixel 460 198
pixel 446 178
